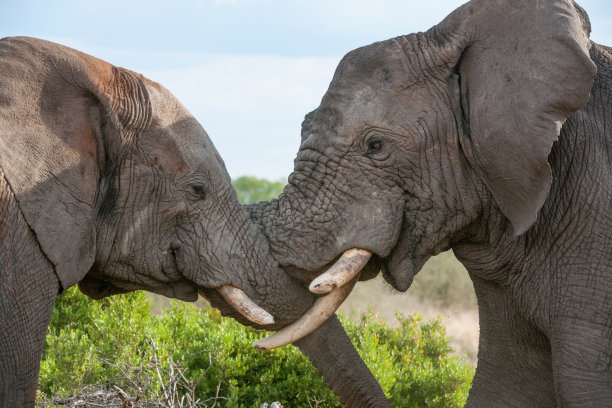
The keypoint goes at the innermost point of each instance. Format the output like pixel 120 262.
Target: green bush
pixel 116 341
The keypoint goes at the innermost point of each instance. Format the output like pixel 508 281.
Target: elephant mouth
pixel 234 296
pixel 335 284
pixel 399 274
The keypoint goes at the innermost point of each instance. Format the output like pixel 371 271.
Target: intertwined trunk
pixel 328 347
pixel 295 227
pixel 330 350
pixel 241 257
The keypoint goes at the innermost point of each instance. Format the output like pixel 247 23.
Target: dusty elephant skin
pixel 107 181
pixel 488 134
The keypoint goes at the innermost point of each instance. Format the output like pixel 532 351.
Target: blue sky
pixel 249 70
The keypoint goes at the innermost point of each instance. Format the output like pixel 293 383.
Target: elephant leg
pixel 581 342
pixel 28 287
pixel 514 360
pixel 330 350
pixel 582 364
pixel 26 310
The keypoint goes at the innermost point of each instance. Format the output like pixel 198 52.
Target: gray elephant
pixel 488 134
pixel 107 181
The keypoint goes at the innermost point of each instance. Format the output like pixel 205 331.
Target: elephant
pixel 108 182
pixel 488 134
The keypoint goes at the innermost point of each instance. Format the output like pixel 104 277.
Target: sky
pixel 248 70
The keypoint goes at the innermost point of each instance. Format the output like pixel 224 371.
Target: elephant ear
pixel 65 119
pixel 524 67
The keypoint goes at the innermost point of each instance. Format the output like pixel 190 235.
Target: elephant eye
pixel 374 146
pixel 198 190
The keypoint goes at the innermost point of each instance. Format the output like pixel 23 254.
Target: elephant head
pixel 123 188
pixel 107 181
pixel 420 137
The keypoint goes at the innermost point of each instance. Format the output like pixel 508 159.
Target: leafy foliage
pixel 413 363
pixel 117 342
pixel 253 190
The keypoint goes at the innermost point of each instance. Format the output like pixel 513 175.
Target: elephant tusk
pixel 244 305
pixel 341 272
pixel 320 311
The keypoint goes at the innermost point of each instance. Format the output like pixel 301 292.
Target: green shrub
pixel 116 341
pixel 413 363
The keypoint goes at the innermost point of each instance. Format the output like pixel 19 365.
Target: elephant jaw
pixel 235 297
pixel 402 264
pixel 337 281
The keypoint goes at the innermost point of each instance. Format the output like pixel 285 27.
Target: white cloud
pixel 251 106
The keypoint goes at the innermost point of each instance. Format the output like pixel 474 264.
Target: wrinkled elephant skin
pixel 107 181
pixel 488 134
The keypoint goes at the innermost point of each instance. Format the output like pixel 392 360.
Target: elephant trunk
pixel 256 291
pixel 275 217
pixel 327 345
pixel 338 281
pixel 294 224
pixel 280 219
pixel 330 350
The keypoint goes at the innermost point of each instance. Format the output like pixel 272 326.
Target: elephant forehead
pixel 176 136
pixel 345 110
pixel 181 148
pixel 381 65
pixel 364 82
pixel 345 115
pixel 166 108
pixel 382 85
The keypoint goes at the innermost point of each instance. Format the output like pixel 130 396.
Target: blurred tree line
pixel 252 190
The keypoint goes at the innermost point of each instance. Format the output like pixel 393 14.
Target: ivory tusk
pixel 320 311
pixel 345 268
pixel 244 305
